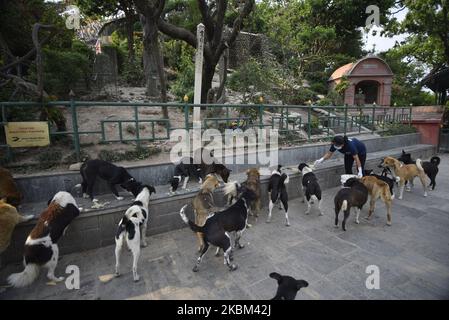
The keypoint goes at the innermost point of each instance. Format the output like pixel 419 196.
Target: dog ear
pixel 276 276
pixel 301 284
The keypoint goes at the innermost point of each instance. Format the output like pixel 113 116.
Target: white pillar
pixel 197 90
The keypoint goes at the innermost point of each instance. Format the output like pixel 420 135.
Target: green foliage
pixel 132 73
pixel 185 80
pixel 131 155
pixel 397 129
pixel 62 70
pixel 49 158
pixel 250 78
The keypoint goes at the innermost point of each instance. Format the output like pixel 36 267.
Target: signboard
pixel 27 134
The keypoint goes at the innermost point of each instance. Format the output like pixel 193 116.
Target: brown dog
pixel 9 218
pixel 8 188
pixel 203 203
pixel 253 183
pixel 378 189
pixel 406 172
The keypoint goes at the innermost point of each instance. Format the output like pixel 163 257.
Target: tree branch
pixel 177 32
pixel 221 11
pixel 235 29
pixel 208 22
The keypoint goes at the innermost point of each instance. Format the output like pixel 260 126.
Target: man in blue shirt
pixel 352 148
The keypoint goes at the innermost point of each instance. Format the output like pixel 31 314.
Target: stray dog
pixel 41 249
pixel 378 189
pixel 109 172
pixel 9 218
pixel 211 165
pixel 288 287
pixel 278 191
pixel 218 225
pixel 310 187
pixel 406 172
pixel 253 183
pixel 203 204
pixel 185 169
pixel 129 232
pixel 430 167
pixel 353 194
pixel 8 188
pixel 385 178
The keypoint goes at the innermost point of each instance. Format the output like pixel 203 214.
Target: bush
pixel 132 73
pixel 62 71
pixel 140 153
pixel 397 129
pixel 49 158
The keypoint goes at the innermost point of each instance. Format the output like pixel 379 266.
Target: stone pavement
pixel 412 256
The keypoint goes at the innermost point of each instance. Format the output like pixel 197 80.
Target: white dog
pixel 129 230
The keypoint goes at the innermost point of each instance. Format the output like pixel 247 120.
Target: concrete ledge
pixel 97 228
pixel 39 187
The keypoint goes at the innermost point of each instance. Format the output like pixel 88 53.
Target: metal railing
pixel 311 121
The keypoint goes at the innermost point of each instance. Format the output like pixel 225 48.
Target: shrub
pixel 397 129
pixel 132 73
pixel 49 158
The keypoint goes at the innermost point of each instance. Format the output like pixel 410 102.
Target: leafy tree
pixel 427 26
pixel 104 8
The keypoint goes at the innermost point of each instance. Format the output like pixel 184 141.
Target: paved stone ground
pixel 412 255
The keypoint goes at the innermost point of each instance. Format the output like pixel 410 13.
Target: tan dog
pixel 8 188
pixel 9 218
pixel 406 172
pixel 253 183
pixel 378 189
pixel 203 203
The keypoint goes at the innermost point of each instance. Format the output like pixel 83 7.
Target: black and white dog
pixel 430 167
pixel 288 286
pixel 310 187
pixel 132 229
pixel 41 249
pixel 185 169
pixel 218 226
pixel 278 191
pixel 111 173
pixel 353 194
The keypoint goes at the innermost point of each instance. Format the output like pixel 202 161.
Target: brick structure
pixel 370 75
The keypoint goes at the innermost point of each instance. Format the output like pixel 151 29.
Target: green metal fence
pixel 308 120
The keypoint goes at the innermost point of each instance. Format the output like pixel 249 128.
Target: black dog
pixel 430 167
pixel 211 165
pixel 109 172
pixel 218 225
pixel 310 187
pixel 385 178
pixel 278 191
pixel 288 287
pixel 185 169
pixel 353 194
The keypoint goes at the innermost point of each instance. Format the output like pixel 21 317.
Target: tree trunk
pixel 149 65
pixel 208 75
pixel 161 73
pixel 130 38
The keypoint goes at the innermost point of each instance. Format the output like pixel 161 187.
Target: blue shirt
pixel 352 147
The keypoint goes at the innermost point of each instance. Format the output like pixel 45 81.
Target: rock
pixel 75 166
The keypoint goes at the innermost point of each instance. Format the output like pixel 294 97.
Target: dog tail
pixel 24 278
pixel 314 197
pixel 186 220
pixel 26 218
pixel 435 160
pixel 230 188
pixel 344 205
pixel 419 165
